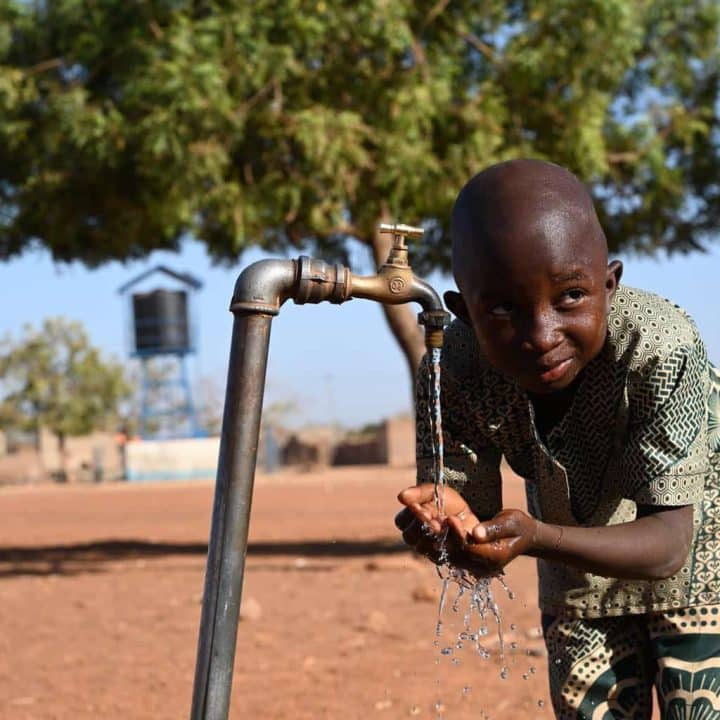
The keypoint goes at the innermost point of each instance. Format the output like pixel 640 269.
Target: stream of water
pixel 468 596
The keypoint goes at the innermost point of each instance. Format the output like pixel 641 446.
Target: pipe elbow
pixel 264 286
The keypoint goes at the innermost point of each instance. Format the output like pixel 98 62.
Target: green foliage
pixel 124 124
pixel 54 378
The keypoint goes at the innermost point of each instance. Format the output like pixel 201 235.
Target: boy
pixel 598 396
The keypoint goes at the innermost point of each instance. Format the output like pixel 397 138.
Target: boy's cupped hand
pixel 483 547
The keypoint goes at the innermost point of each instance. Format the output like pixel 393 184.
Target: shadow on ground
pixel 90 557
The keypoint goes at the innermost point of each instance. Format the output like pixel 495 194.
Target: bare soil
pixel 101 588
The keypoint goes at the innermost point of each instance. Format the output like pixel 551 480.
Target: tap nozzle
pixel 434 322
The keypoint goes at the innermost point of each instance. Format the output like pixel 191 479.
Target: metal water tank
pixel 161 323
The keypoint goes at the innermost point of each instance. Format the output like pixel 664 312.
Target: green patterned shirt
pixel 642 429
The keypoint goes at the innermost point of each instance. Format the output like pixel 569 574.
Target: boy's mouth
pixel 555 372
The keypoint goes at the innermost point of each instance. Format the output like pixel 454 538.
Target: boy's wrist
pixel 546 538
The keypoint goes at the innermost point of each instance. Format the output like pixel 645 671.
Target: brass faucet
pixel 395 284
pixel 267 284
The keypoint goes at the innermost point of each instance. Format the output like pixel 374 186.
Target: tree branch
pixel 482 47
pixel 616 158
pixel 435 10
pixel 45 65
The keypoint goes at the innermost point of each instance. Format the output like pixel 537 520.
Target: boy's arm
pixel 652 547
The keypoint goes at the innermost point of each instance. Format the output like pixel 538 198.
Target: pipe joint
pixel 319 281
pixel 264 286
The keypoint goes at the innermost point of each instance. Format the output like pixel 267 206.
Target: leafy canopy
pixel 53 377
pixel 125 123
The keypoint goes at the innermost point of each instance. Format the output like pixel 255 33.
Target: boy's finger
pixel 403 519
pixel 487 532
pixel 456 524
pixel 417 494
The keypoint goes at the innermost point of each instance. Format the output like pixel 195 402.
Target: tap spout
pixel 396 285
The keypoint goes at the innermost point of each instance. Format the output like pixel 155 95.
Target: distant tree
pixel 54 378
pixel 301 124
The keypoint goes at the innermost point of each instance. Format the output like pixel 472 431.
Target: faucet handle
pixel 400 232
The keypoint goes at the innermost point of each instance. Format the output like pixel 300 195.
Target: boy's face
pixel 539 303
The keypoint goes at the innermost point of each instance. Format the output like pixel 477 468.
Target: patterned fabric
pixel 605 669
pixel 638 432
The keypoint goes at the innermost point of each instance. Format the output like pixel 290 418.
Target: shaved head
pixel 530 260
pixel 514 207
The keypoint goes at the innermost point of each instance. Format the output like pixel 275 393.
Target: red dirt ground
pixel 100 594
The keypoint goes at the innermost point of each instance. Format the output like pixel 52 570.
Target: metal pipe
pixel 231 516
pixel 260 291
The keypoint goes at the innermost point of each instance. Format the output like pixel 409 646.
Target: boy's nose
pixel 542 332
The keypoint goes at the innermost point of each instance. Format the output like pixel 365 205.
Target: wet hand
pixel 421 501
pixel 421 522
pixel 494 543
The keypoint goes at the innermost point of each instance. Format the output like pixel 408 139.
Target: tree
pixel 54 378
pixel 299 125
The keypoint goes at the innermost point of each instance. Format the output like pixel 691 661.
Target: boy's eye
pixel 572 296
pixel 501 309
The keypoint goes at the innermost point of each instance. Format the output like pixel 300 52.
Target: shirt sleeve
pixel 665 459
pixel 471 464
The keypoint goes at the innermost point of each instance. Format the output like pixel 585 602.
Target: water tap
pixel 395 284
pixel 264 286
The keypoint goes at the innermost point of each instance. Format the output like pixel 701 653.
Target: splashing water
pixel 481 603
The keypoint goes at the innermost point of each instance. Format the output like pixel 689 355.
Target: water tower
pixel 162 338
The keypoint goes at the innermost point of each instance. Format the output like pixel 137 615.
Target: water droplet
pixel 511 594
pixel 525 676
pixel 455 661
pixel 447 651
pixel 414 710
pixel 466 689
pixel 513 626
pixel 532 670
pixel 541 703
pixel 558 661
pixel 504 673
pixel 459 645
pixel 513 645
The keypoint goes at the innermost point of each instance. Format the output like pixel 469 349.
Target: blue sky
pixel 333 363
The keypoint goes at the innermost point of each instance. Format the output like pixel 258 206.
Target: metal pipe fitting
pixel 264 286
pixel 318 281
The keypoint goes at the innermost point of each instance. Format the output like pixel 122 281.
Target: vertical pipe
pixel 231 515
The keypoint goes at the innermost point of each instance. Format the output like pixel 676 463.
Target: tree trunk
pixel 402 319
pixel 62 453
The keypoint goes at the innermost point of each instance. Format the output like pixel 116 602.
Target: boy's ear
pixel 612 280
pixel 456 305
